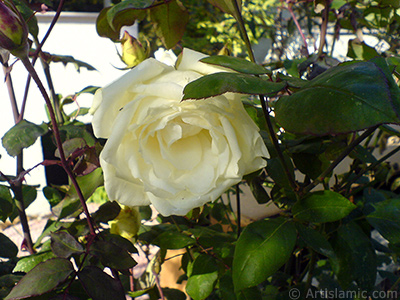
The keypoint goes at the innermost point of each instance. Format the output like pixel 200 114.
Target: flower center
pixel 182 144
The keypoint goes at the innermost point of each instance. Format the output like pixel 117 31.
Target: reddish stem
pixel 36 54
pixel 56 132
pixel 16 185
pixel 289 8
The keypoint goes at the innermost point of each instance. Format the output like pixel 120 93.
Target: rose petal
pixel 127 191
pixel 190 62
pixel 108 101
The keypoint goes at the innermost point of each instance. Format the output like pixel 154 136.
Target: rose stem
pixel 296 22
pixel 11 93
pixel 17 186
pixel 239 219
pixel 263 101
pixel 64 163
pixel 54 99
pixel 345 152
pixel 35 56
pixel 324 26
pixel 370 167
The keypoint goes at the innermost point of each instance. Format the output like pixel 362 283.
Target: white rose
pixel 172 154
pixel 168 57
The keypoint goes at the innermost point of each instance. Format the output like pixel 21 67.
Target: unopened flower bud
pixel 13 31
pixel 127 223
pixel 133 52
pixel 225 51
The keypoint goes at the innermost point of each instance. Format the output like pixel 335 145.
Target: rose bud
pixel 127 223
pixel 133 52
pixel 13 31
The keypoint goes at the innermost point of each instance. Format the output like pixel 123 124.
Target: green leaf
pixel 6 209
pixel 256 113
pixel 220 83
pixel 386 219
pixel 173 240
pixel 258 190
pixel 322 207
pixel 226 288
pixel 363 155
pixel 117 14
pixel 170 20
pixel 71 203
pixel 77 130
pixel 52 195
pixel 70 146
pixel 360 50
pixel 50 226
pixel 276 171
pixel 107 212
pixel 346 98
pixel 82 111
pixel 138 293
pixel 128 4
pixel 237 64
pixel 202 264
pixel 249 294
pixel 29 16
pixel 145 212
pixel 64 245
pixel 121 242
pixel 315 240
pixel 25 264
pixel 393 3
pixel 292 82
pixel 200 286
pixel 79 227
pixel 99 285
pixel 20 136
pixel 68 59
pixel 293 67
pixel 112 256
pixel 227 6
pixel 7 248
pixel 88 90
pixel 29 193
pixel 103 28
pixel 221 242
pixel 356 258
pixel 62 297
pixel 173 294
pixel 69 206
pixel 7 282
pixel 262 248
pixel 387 67
pixel 43 278
pixel 203 274
pixel 308 164
pixel 6 203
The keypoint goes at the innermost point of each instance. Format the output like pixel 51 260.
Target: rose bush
pixel 172 154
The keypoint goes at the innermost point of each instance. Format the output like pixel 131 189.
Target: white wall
pixel 74 34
